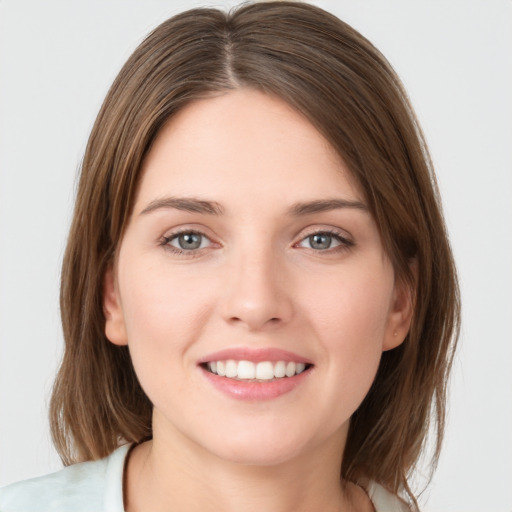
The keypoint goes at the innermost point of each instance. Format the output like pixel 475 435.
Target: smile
pixel 250 371
pixel 246 373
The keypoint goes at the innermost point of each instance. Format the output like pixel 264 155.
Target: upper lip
pixel 254 355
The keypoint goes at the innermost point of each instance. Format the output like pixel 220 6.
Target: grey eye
pixel 188 241
pixel 320 241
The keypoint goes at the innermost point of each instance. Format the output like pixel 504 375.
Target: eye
pixel 187 241
pixel 324 240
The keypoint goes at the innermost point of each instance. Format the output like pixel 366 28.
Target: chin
pixel 261 448
pixel 260 456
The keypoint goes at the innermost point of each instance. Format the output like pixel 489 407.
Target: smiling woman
pixel 246 304
pixel 258 294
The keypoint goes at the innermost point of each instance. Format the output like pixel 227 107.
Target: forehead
pixel 243 144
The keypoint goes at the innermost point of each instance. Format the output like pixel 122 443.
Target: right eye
pixel 187 241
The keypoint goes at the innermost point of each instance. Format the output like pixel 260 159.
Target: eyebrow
pixel 187 204
pixel 194 205
pixel 324 205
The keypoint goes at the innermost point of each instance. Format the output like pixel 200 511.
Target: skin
pixel 257 281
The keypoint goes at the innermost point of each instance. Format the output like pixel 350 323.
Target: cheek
pixel 163 316
pixel 349 319
pixel 162 322
pixel 351 304
pixel 155 298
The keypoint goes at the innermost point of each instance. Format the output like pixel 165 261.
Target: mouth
pixel 252 374
pixel 261 371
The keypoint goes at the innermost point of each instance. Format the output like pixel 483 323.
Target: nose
pixel 257 294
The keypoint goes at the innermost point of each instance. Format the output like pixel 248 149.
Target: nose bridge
pixel 255 292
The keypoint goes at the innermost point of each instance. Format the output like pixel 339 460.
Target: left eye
pixel 188 241
pixel 321 241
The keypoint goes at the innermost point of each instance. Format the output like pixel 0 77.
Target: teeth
pixel 265 371
pixel 300 367
pixel 221 368
pixel 247 370
pixel 231 369
pixel 279 369
pixel 290 369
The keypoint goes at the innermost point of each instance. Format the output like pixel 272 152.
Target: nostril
pixel 273 320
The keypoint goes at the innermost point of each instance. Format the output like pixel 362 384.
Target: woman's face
pixel 250 251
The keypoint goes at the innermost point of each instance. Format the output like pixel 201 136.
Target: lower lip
pixel 244 390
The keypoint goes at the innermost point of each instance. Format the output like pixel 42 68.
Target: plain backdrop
pixel 57 59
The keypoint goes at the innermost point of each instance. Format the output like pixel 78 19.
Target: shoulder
pixel 384 501
pixel 94 486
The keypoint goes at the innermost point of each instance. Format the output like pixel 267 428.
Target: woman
pixel 258 294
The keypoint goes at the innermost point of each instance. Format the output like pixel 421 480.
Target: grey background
pixel 57 59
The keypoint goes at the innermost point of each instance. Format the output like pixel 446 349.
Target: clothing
pixel 97 486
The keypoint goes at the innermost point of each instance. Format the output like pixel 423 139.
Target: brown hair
pixel 346 88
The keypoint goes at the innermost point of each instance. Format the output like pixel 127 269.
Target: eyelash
pixel 344 243
pixel 191 253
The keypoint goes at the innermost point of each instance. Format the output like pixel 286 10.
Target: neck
pixel 164 475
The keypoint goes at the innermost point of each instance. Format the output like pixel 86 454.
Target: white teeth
pixel 221 368
pixel 300 367
pixel 247 370
pixel 265 371
pixel 231 368
pixel 290 369
pixel 279 369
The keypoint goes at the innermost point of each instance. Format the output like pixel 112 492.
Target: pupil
pixel 190 241
pixel 320 241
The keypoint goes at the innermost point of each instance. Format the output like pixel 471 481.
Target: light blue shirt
pixel 97 486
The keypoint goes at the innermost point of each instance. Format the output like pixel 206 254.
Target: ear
pixel 401 312
pixel 115 329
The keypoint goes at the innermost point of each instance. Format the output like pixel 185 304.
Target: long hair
pixel 341 83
